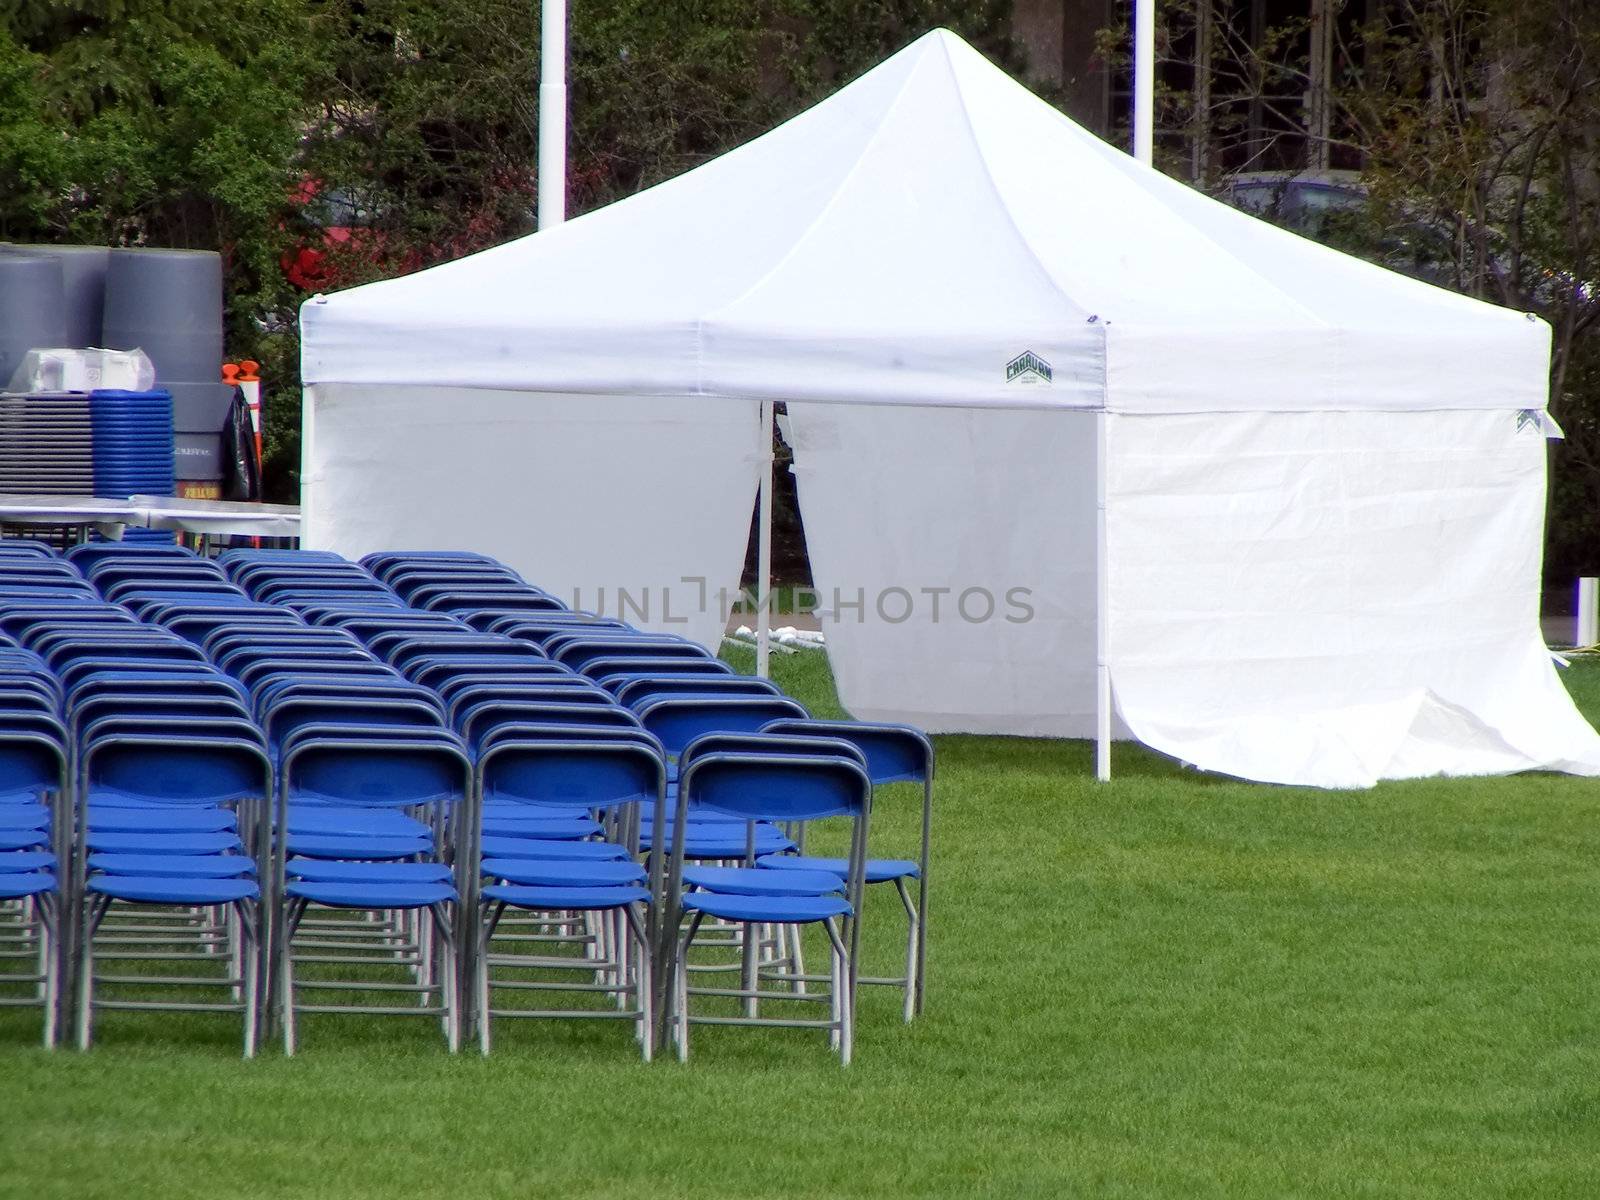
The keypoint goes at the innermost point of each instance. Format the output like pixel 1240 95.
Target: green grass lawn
pixel 1171 985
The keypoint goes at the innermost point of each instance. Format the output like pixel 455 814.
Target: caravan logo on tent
pixel 1029 368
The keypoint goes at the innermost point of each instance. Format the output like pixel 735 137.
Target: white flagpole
pixel 552 180
pixel 1144 80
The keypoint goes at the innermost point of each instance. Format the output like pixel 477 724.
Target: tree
pixel 1474 126
pixel 338 141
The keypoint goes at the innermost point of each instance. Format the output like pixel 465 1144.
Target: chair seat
pixel 14 886
pixel 151 889
pixel 332 871
pixel 106 797
pixel 647 814
pixel 346 821
pixel 372 895
pixel 23 839
pixel 191 866
pixel 564 899
pixel 878 870
pixel 330 846
pixel 511 808
pixel 754 881
pixel 714 842
pixel 21 861
pixel 781 910
pixel 537 872
pixel 511 847
pixel 24 816
pixel 161 843
pixel 562 829
pixel 160 820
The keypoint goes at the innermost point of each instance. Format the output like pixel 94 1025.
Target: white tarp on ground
pixel 935 236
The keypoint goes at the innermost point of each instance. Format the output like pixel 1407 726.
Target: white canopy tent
pixel 1064 429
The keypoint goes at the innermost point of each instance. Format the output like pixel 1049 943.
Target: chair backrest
pixel 541 627
pixel 259 674
pixel 350 687
pixel 31 758
pixel 200 627
pixel 606 666
pixel 376 768
pixel 366 624
pixel 284 652
pixel 448 644
pixel 451 599
pixel 577 691
pixel 200 768
pixel 631 692
pixel 25 548
pixel 532 673
pixel 436 670
pixel 91 552
pixel 285 714
pixel 207 682
pixel 577 649
pixel 478 721
pixel 783 780
pixel 678 720
pixel 174 706
pixel 571 772
pixel 894 753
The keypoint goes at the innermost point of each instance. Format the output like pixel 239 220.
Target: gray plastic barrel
pixel 167 303
pixel 33 308
pixel 83 277
pixel 199 411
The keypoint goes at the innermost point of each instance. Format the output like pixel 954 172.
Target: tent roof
pixel 933 233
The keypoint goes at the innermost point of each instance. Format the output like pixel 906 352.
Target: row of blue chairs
pixel 381 762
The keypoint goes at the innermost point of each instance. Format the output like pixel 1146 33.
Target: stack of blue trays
pixel 134 449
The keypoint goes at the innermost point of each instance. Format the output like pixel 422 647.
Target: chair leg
pixel 94 910
pixel 643 985
pixel 232 922
pixel 49 966
pixel 835 1001
pixel 797 955
pixel 749 963
pixel 841 975
pixel 491 920
pixel 680 975
pixel 291 920
pixel 446 982
pixel 249 961
pixel 922 938
pixel 913 936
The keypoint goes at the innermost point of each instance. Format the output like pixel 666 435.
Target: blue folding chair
pixel 214 764
pixel 33 837
pixel 385 768
pixel 770 778
pixel 893 754
pixel 556 772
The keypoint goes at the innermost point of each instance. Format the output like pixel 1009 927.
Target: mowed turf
pixel 1171 985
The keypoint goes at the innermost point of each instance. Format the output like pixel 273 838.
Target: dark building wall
pixel 1059 37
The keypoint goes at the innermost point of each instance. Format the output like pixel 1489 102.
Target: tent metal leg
pixel 1102 700
pixel 764 550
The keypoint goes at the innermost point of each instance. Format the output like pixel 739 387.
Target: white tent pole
pixel 1102 698
pixel 308 461
pixel 764 549
pixel 552 180
pixel 1144 80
